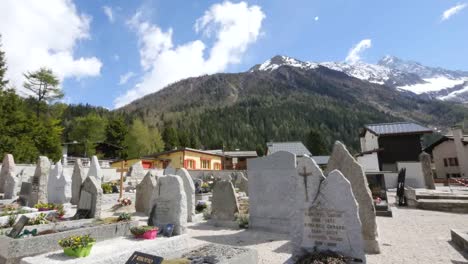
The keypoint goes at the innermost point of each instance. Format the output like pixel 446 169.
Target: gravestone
pixel 189 188
pixel 7 171
pixel 18 227
pixel 53 186
pixel 95 170
pixel 243 183
pixel 39 181
pixel 25 193
pixel 169 170
pixel 343 161
pixel 12 183
pixel 224 204
pixel 171 204
pixel 78 178
pixel 269 183
pixel 144 194
pixel 137 170
pixel 91 197
pixel 325 216
pixel 427 170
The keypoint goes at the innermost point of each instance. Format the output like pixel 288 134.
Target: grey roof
pixel 321 160
pixel 397 128
pixel 296 148
pixel 235 153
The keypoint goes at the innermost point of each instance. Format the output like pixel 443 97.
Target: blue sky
pixel 157 42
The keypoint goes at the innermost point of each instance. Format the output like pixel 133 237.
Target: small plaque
pixel 168 229
pixel 18 227
pixel 143 258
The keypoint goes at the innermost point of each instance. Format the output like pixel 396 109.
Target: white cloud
pixel 316 18
pixel 109 13
pixel 125 77
pixel 36 35
pixel 234 27
pixel 354 54
pixel 452 11
pixel 116 57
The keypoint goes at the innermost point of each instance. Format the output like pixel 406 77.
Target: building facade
pixel 191 159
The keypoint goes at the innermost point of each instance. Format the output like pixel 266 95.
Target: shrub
pixel 76 242
pixel 124 217
pixel 140 230
pixel 12 219
pixel 201 206
pixel 38 220
pixel 243 220
pixel 106 188
pixel 207 214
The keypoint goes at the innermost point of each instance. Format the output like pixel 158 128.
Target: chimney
pixel 460 150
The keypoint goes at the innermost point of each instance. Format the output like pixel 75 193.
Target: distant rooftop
pixel 321 160
pixel 296 148
pixel 399 128
pixel 235 153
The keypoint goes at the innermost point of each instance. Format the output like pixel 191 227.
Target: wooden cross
pixel 305 174
pixel 122 169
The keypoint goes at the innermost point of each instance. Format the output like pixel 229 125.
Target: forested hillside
pixel 245 110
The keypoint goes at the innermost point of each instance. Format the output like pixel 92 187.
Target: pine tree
pixel 116 132
pixel 44 85
pixel 3 67
pixel 315 143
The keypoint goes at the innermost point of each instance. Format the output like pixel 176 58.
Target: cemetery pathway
pixel 411 236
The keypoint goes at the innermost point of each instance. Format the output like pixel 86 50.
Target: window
pixel 445 163
pixel 453 162
pixel 190 164
pixel 217 166
pixel 456 175
pixel 205 164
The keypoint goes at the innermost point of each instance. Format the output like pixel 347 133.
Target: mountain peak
pixel 280 60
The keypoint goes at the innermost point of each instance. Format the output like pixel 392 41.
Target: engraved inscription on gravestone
pixel 143 258
pixel 324 227
pixel 163 207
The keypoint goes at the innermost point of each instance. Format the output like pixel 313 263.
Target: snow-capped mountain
pixel 391 71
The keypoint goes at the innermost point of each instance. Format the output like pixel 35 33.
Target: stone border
pixel 118 251
pixel 460 238
pixel 4 219
pixel 12 250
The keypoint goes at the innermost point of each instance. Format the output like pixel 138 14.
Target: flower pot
pixel 43 209
pixel 80 252
pixel 150 234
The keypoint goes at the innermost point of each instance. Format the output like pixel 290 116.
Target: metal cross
pixel 305 174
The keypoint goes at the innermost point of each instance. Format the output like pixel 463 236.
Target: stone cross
pixel 305 174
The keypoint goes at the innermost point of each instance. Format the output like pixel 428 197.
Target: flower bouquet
pixel 77 246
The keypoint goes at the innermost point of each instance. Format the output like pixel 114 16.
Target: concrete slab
pixel 446 205
pixel 460 238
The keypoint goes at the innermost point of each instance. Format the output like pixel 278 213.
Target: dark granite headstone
pixel 18 227
pixel 143 258
pixel 82 214
pixel 25 193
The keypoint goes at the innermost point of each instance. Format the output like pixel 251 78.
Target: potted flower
pixel 145 232
pixel 77 246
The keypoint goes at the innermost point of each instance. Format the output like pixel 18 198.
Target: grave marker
pixel 25 193
pixel 144 193
pixel 189 188
pixel 143 258
pixel 270 181
pixel 18 227
pixel 171 204
pixel 78 178
pixel 39 181
pixel 91 197
pixel 224 204
pixel 427 170
pixel 8 169
pixel 95 170
pixel 343 161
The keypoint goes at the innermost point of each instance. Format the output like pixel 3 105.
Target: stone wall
pixel 198 174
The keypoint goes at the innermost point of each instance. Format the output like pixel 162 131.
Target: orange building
pixel 191 159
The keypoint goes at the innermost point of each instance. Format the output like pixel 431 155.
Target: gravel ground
pixel 411 236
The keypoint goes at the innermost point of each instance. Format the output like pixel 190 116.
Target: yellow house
pixel 148 163
pixel 191 159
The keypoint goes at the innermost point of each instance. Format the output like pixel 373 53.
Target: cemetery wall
pixel 391 180
pixel 370 162
pixel 198 174
pixel 414 174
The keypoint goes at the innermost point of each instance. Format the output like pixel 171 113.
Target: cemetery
pixel 283 208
